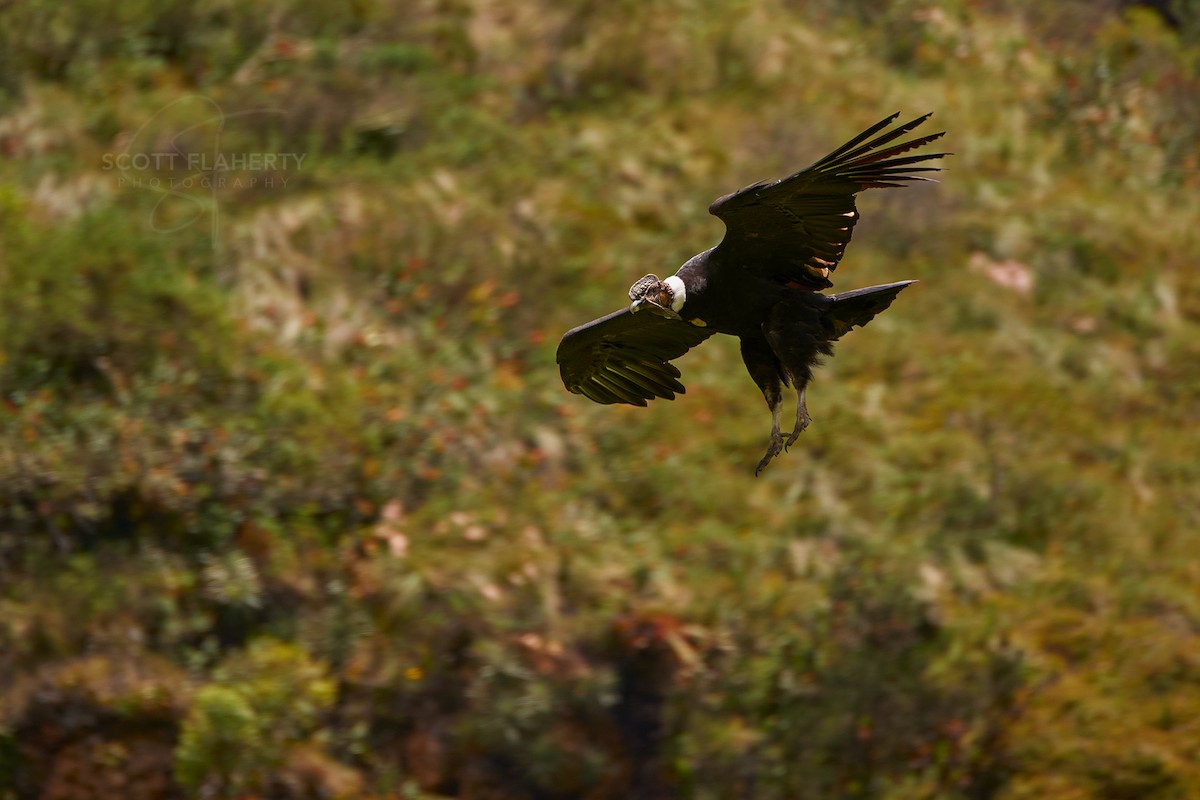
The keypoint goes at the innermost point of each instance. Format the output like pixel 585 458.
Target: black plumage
pixel 762 283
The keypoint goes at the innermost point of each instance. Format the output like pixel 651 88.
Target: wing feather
pixel 797 228
pixel 626 357
pixel 856 308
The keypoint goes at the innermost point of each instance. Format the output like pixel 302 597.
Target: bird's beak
pixel 653 308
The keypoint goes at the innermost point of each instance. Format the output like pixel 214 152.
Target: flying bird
pixel 763 284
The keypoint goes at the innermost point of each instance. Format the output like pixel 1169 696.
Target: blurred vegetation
pixel 293 503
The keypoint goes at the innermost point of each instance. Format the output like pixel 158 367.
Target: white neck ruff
pixel 678 292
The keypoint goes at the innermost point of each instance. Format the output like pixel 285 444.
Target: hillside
pixel 293 503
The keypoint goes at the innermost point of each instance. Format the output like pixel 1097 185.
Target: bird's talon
pixel 800 428
pixel 773 449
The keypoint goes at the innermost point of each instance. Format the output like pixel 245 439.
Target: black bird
pixel 762 284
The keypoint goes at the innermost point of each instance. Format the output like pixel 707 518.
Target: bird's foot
pixel 802 418
pixel 774 448
pixel 801 423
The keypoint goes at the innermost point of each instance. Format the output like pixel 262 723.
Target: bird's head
pixel 664 298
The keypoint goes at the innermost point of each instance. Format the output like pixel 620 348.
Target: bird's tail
pixel 856 308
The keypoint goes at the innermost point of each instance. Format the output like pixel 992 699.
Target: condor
pixel 763 284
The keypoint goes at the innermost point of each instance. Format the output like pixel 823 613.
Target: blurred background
pixel 294 505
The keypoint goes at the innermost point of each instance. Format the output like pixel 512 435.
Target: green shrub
pixel 241 727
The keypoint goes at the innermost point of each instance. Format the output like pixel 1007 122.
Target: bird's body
pixel 761 284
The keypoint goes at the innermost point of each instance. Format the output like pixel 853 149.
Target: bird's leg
pixel 775 446
pixel 765 369
pixel 802 418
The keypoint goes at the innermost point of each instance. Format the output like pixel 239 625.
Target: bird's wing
pixel 858 307
pixel 626 357
pixel 797 228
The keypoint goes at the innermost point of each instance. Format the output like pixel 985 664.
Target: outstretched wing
pixel 797 228
pixel 856 308
pixel 625 357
